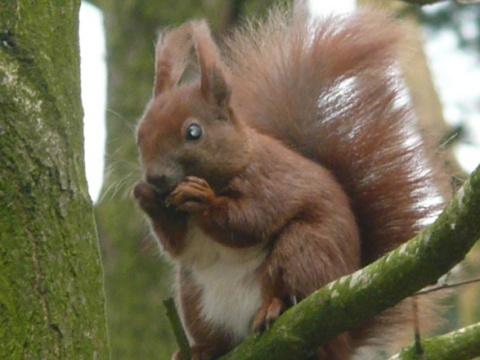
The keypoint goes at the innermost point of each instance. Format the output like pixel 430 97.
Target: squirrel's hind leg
pixel 305 257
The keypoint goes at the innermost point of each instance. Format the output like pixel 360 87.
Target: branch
pixel 430 2
pixel 461 344
pixel 353 299
pixel 423 2
pixel 177 328
pixel 445 286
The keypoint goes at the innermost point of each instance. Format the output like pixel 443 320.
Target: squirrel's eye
pixel 194 132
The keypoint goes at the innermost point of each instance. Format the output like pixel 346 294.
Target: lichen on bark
pixel 51 285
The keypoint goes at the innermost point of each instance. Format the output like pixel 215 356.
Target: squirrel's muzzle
pixel 160 183
pixel 164 179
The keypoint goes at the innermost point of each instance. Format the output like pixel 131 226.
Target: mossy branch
pixel 352 299
pixel 430 2
pixel 461 344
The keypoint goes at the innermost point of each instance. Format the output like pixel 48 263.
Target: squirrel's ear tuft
pixel 213 84
pixel 171 57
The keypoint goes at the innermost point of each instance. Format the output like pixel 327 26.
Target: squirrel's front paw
pixel 148 198
pixel 192 195
pixel 268 313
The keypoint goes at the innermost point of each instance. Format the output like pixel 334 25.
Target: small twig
pixel 447 286
pixel 418 338
pixel 178 331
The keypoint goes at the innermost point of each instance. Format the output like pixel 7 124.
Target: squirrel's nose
pixel 159 182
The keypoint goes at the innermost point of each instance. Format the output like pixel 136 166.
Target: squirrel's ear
pixel 213 84
pixel 214 87
pixel 171 56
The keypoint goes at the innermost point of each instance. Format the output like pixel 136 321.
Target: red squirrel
pixel 288 161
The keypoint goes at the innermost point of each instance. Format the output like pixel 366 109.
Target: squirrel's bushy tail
pixel 331 90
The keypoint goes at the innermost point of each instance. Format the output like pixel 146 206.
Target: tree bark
pixel 51 284
pixel 462 344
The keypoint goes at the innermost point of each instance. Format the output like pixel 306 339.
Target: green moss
pixel 50 275
pixel 462 344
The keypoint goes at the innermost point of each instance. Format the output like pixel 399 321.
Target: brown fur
pixel 306 159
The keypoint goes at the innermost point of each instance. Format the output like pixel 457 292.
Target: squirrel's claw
pixel 192 195
pixel 267 314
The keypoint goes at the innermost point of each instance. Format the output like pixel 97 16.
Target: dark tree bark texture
pixel 51 285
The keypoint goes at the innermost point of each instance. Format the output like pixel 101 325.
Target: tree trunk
pixel 51 285
pixel 137 278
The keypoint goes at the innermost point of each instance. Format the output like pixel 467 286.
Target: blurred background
pixel 442 72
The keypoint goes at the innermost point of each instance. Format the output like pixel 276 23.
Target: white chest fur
pixel 229 281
